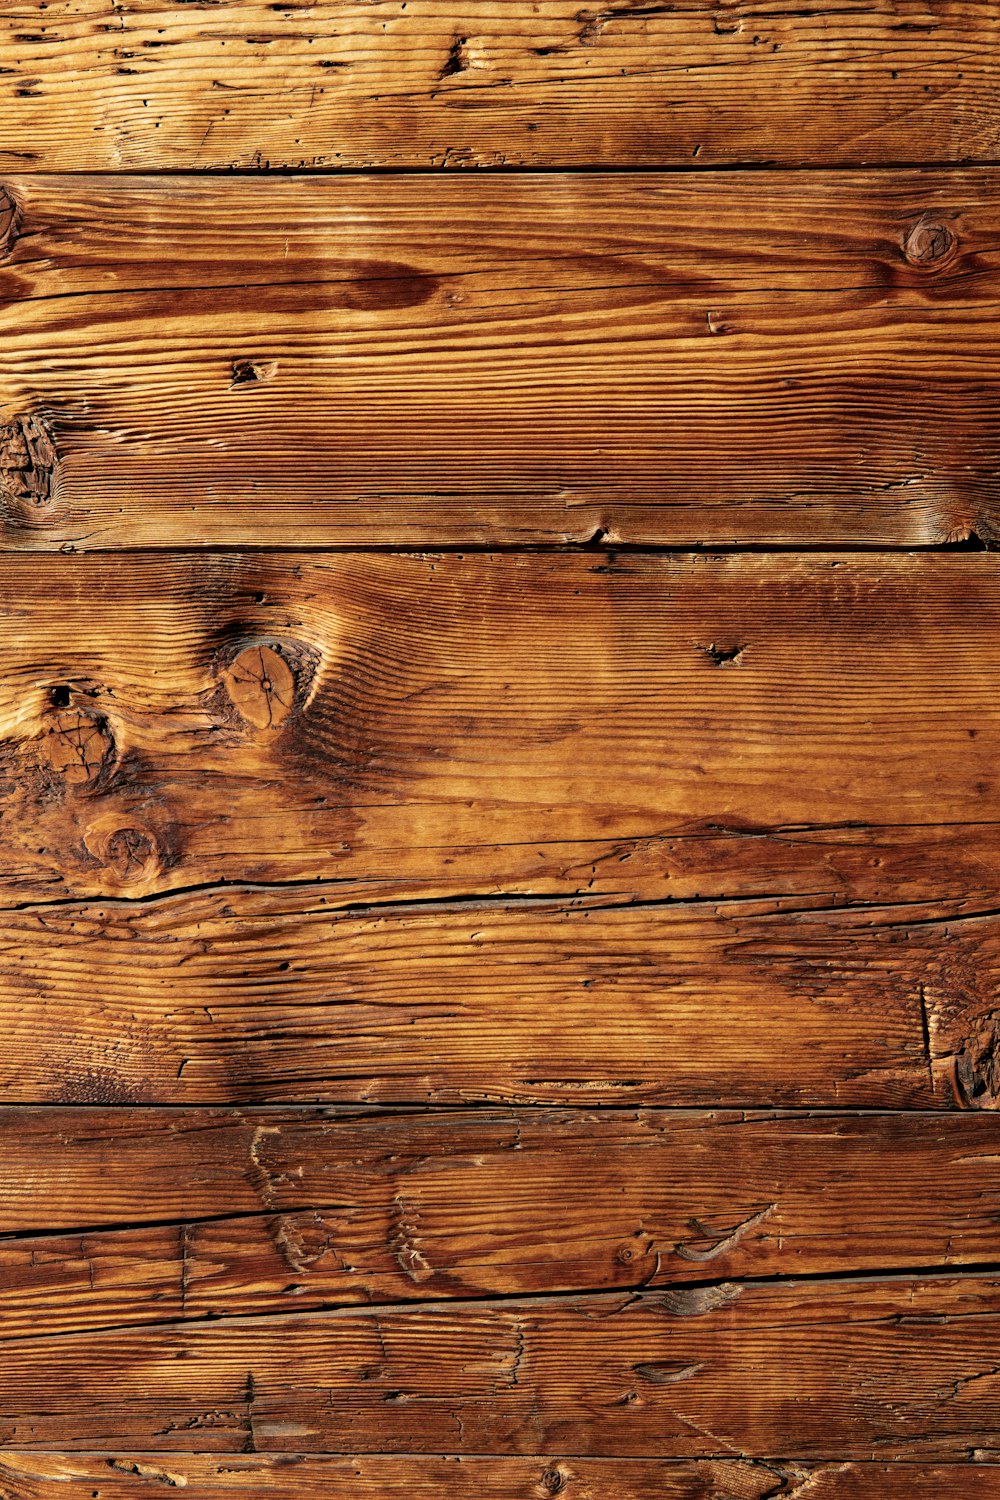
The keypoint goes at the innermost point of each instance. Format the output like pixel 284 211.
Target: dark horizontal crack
pixel 842 167
pixel 576 898
pixel 658 1296
pixel 803 547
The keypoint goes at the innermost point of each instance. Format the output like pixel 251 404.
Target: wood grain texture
pixel 205 1214
pixel 419 83
pixel 515 1023
pixel 258 997
pixel 71 1476
pixel 483 703
pixel 513 722
pixel 780 358
pixel 898 1367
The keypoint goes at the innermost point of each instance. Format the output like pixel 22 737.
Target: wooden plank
pixel 424 84
pixel 202 1214
pixel 71 1476
pixel 726 358
pixel 899 1367
pixel 424 710
pixel 260 997
pixel 167 721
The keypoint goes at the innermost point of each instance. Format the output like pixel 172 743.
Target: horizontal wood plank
pixel 756 358
pixel 519 722
pixel 258 997
pixel 202 1214
pixel 260 85
pixel 70 1476
pixel 169 721
pixel 898 1367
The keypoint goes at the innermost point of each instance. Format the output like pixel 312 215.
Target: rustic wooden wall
pixel 499 750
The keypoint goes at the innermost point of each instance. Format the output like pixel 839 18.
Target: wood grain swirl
pixel 529 725
pixel 484 707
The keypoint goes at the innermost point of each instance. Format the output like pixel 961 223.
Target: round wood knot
pixel 261 685
pixel 928 243
pixel 9 220
pixel 78 744
pixel 130 852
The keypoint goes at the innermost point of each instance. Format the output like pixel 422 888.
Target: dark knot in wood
pixel 252 371
pixel 130 852
pixel 261 685
pixel 928 243
pixel 78 744
pixel 723 656
pixel 977 1064
pixel 28 461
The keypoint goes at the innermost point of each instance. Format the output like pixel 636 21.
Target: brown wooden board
pixel 898 1367
pixel 127 1476
pixel 168 721
pixel 156 1215
pixel 624 782
pixel 505 726
pixel 777 358
pixel 262 997
pixel 225 83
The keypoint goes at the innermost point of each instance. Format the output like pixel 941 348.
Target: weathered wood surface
pixel 502 721
pixel 128 1476
pixel 895 1368
pixel 264 996
pixel 198 1214
pixel 780 358
pixel 170 721
pixel 415 83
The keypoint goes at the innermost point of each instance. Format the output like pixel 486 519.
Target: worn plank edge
pixel 330 1476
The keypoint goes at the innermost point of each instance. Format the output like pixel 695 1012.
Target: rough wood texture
pixel 898 1368
pixel 451 999
pixel 479 707
pixel 129 1476
pixel 779 358
pixel 524 717
pixel 240 996
pixel 198 1214
pixel 412 82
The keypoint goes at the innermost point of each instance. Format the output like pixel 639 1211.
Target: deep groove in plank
pixel 416 1305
